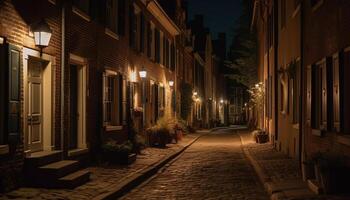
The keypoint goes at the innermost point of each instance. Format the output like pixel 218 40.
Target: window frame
pixel 116 110
pixel 78 10
pixel 113 17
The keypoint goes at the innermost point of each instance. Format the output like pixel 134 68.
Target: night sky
pixel 219 15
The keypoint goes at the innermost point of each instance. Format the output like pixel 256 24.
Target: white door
pixel 35 105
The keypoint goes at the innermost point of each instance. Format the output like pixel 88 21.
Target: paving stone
pixel 212 168
pixel 103 176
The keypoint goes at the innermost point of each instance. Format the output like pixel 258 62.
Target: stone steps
pixel 48 170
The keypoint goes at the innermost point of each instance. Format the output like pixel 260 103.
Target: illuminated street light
pixel 171 83
pixel 143 73
pixel 42 33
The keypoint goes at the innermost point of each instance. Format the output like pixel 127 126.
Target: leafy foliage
pixel 257 97
pixel 243 50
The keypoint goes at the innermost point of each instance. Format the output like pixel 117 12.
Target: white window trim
pixel 4 149
pixel 111 33
pixel 317 6
pixel 81 14
pixel 109 127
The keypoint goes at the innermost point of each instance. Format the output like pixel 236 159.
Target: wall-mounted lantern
pixel 143 73
pixel 42 34
pixel 171 83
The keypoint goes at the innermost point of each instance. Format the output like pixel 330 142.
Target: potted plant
pixel 260 136
pixel 115 153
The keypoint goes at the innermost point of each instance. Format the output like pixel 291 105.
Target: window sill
pixel 343 139
pixel 296 11
pixel 317 6
pixel 4 149
pixel 52 1
pixel 111 34
pixel 113 128
pixel 81 14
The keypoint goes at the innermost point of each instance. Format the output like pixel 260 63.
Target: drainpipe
pixel 302 155
pixel 276 68
pixel 63 60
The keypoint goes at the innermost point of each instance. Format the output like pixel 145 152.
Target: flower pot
pixel 262 138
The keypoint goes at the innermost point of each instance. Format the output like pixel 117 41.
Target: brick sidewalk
pixel 280 174
pixel 105 179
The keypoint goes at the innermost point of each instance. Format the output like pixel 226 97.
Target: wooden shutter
pixel 308 95
pixel 121 17
pixel 336 93
pixel 323 68
pixel 13 112
pixel 124 100
pixel 2 94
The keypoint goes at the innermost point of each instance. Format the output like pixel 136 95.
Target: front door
pixel 74 112
pixel 35 105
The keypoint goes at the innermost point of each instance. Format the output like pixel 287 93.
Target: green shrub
pixel 113 147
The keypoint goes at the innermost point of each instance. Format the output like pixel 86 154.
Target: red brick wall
pixel 15 18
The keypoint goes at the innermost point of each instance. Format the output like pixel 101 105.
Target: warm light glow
pixel 42 34
pixel 171 83
pixel 1 40
pixel 256 85
pixel 245 104
pixel 195 93
pixel 133 77
pixel 221 101
pixel 143 73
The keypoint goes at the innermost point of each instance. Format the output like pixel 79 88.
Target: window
pixel 319 100
pixel 112 15
pixel 142 33
pixel 167 59
pixel 112 99
pixel 283 13
pixel 157 46
pixel 133 27
pixel 83 5
pixel 296 3
pixel 121 17
pixel 295 83
pixel 172 57
pixel 149 39
pixel 315 3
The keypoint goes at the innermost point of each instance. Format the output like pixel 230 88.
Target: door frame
pixel 82 65
pixel 48 94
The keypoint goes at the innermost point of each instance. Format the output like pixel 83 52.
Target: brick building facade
pixel 303 58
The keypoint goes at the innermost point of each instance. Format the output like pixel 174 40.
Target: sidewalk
pixel 280 174
pixel 108 182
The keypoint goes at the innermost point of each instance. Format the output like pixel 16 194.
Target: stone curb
pixel 118 190
pixel 282 194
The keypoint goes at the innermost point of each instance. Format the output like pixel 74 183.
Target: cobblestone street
pixel 212 168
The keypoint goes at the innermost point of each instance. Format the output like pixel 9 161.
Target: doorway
pixel 77 107
pixel 38 97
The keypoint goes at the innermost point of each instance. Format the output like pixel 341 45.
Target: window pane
pixel 83 5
